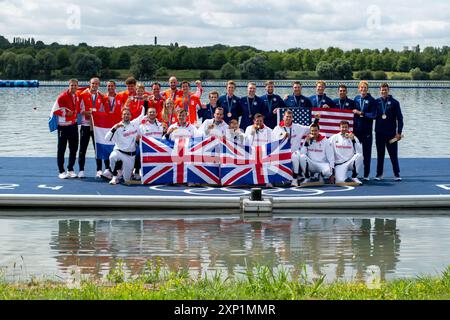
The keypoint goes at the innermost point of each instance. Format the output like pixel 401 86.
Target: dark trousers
pixel 85 135
pixel 137 159
pixel 67 134
pixel 382 142
pixel 366 140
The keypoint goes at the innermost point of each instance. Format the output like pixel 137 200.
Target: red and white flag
pixel 330 119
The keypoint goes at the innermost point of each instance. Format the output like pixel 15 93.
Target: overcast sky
pixel 267 25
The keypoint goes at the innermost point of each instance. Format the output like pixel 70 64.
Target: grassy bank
pixel 261 283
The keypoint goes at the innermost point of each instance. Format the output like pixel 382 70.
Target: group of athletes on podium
pixel 178 112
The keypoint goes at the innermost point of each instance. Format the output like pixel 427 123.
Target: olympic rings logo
pixel 236 192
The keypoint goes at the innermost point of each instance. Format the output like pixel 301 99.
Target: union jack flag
pixel 246 165
pixel 180 161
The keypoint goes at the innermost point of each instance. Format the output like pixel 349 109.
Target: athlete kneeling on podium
pixel 316 155
pixel 294 132
pixel 124 134
pixel 347 154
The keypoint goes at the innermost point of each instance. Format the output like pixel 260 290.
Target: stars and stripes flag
pixel 330 118
pixel 300 115
pixel 246 165
pixel 180 161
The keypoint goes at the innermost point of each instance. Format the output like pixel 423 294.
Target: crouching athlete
pixel 124 134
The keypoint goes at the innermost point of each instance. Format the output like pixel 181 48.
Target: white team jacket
pixel 257 137
pixel 296 133
pixel 319 150
pixel 125 137
pixel 189 131
pixel 147 129
pixel 344 149
pixel 218 130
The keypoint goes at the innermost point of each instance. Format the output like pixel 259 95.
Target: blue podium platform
pixel 33 183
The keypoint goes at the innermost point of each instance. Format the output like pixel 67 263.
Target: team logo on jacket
pixel 346 104
pixel 389 102
pixel 302 101
pixel 234 101
pixel 255 103
pixel 274 99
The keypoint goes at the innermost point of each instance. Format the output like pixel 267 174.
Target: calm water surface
pixel 425 111
pixel 340 248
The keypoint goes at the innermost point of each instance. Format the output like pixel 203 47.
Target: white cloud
pixel 266 24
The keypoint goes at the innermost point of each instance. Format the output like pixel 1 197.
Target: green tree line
pixel 27 58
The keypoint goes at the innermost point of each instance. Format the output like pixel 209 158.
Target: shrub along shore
pixel 257 284
pixel 30 59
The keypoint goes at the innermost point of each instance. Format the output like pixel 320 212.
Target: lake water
pixel 335 246
pixel 425 112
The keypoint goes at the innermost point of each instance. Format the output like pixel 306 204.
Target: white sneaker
pixel 114 180
pixel 63 175
pixel 137 176
pixel 307 180
pixel 98 174
pixel 356 180
pixel 294 183
pixel 398 178
pixel 71 174
pixel 366 178
pixel 107 174
pixel 379 178
pixel 81 174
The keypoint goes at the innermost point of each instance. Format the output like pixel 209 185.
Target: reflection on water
pixel 340 248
